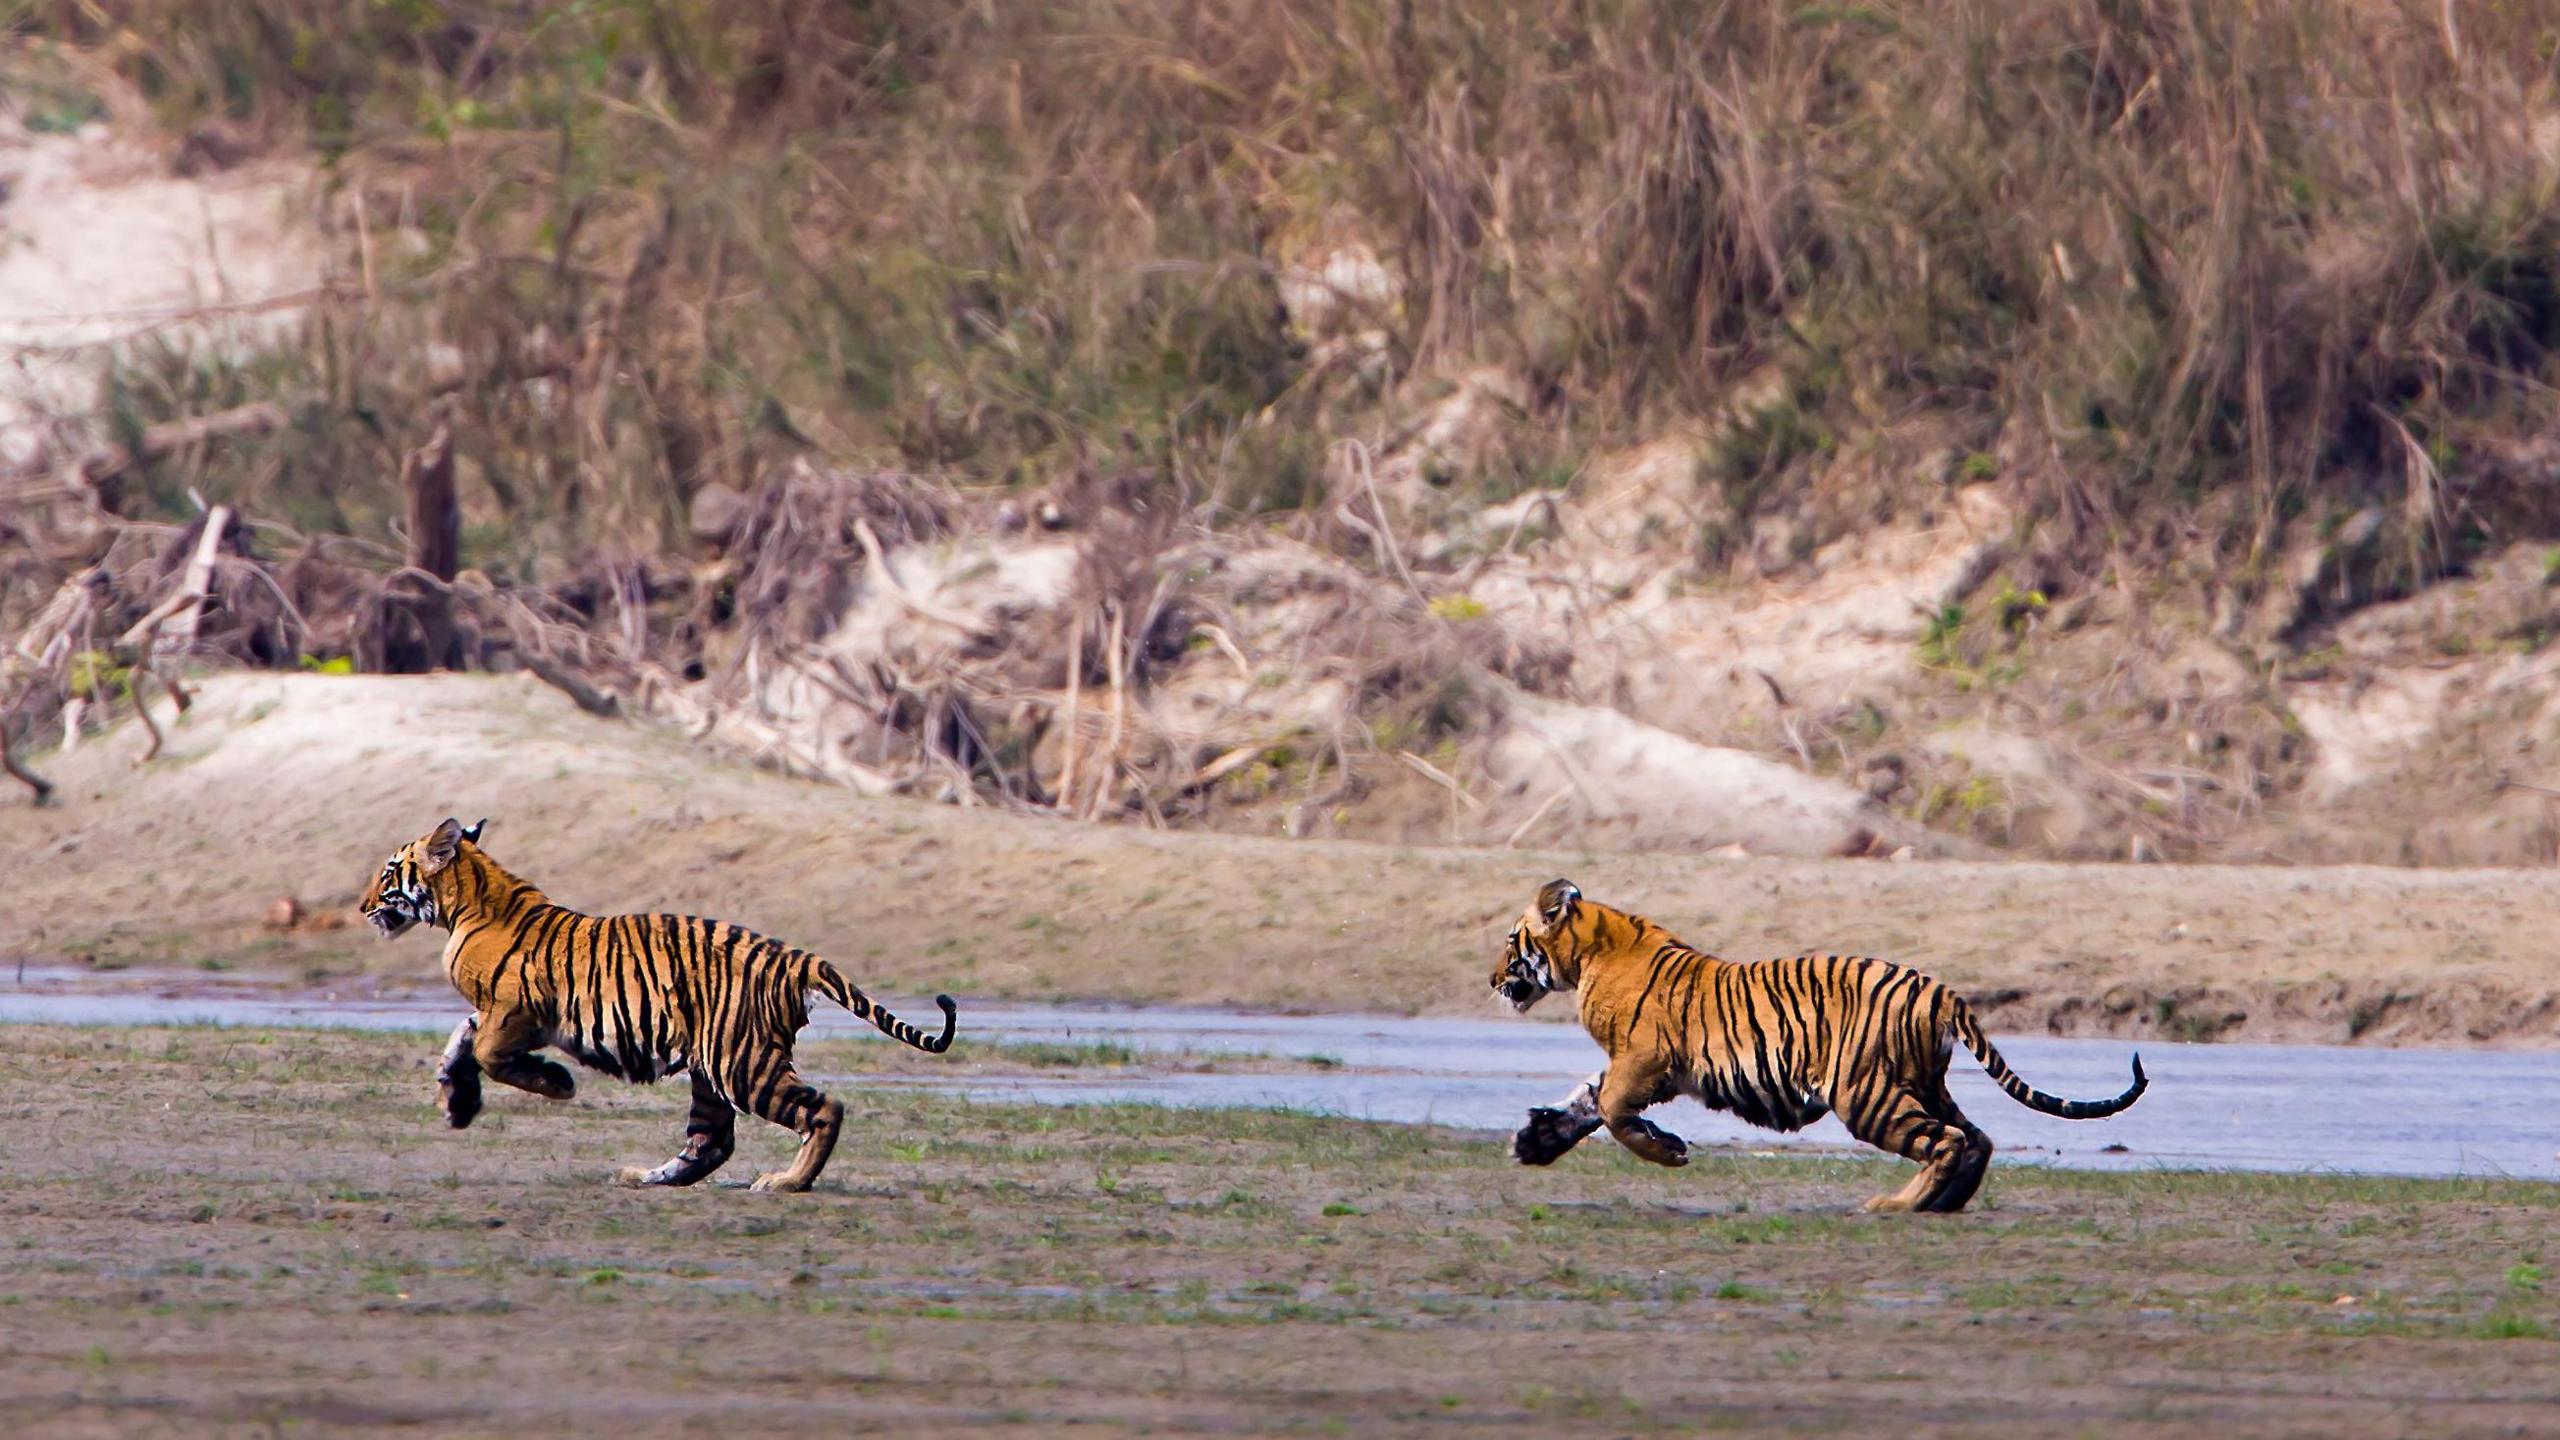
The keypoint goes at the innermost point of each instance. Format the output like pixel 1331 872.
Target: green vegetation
pixel 1052 1055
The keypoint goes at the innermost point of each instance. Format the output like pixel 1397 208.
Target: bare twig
pixel 1440 777
pixel 42 787
pixel 1226 643
pixel 98 469
pixel 1382 532
pixel 888 581
pixel 1117 662
pixel 1222 767
pixel 142 702
pixel 1075 715
pixel 1523 828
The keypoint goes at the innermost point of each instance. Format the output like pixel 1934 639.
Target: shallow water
pixel 2246 1107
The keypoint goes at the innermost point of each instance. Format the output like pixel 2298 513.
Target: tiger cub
pixel 1779 1043
pixel 638 997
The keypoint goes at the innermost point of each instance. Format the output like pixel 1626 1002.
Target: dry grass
pixel 2159 259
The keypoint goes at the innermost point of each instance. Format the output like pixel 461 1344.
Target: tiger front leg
pixel 458 1076
pixel 1623 1097
pixel 1554 1130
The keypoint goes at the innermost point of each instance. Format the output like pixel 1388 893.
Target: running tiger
pixel 635 996
pixel 1778 1043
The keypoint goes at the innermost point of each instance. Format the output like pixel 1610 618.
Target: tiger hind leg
pixel 793 1104
pixel 710 1137
pixel 1952 1156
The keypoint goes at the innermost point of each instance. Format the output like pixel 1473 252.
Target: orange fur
pixel 1780 1044
pixel 638 997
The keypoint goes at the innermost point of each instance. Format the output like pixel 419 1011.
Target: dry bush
pixel 2196 279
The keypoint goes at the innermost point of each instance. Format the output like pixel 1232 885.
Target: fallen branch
pixel 1379 534
pixel 1440 777
pixel 585 696
pixel 187 608
pixel 1114 663
pixel 1513 839
pixel 152 619
pixel 199 583
pixel 24 776
pixel 1224 766
pixel 100 468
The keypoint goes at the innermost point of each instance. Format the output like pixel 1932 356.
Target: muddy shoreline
pixel 221 1232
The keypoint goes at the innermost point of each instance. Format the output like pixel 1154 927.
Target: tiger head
pixel 400 896
pixel 1544 953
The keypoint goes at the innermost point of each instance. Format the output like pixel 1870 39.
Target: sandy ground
pixel 234 1232
pixel 100 244
pixel 299 785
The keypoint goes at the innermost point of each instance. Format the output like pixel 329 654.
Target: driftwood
pixel 33 781
pixel 696 646
pixel 34 664
pixel 199 578
pixel 585 696
pixel 101 469
pixel 186 608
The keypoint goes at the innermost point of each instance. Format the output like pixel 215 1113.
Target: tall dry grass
pixel 2184 271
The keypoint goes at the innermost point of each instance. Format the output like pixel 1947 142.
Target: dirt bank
pixel 265 1233
pixel 298 786
pixel 1475 466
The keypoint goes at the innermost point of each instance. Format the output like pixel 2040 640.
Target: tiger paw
pixel 458 1096
pixel 1651 1142
pixel 551 1080
pixel 1549 1134
pixel 779 1181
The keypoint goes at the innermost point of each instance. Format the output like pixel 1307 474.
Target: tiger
pixel 638 997
pixel 1780 1044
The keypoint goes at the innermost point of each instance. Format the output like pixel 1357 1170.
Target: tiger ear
pixel 443 843
pixel 471 832
pixel 1556 900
